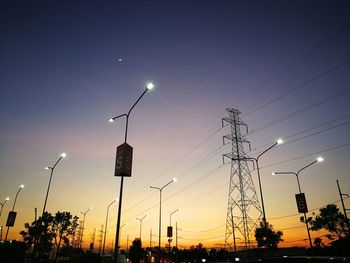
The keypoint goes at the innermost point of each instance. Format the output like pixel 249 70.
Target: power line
pixel 307 155
pixel 304 131
pixel 339 65
pixel 177 161
pixel 294 63
pixel 302 110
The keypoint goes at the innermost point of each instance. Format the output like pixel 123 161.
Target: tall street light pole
pixel 160 207
pixel 52 168
pixel 2 205
pixel 172 214
pixel 141 219
pixel 104 238
pixel 83 226
pixel 319 159
pixel 13 208
pixel 256 160
pixel 124 163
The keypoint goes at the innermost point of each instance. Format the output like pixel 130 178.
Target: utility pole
pixel 100 240
pixel 150 238
pixel 93 240
pixel 344 209
pixel 127 242
pixel 35 213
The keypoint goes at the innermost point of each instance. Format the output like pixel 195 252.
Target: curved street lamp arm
pixel 167 184
pixel 153 187
pixel 284 173
pixel 53 167
pixel 297 173
pixel 268 149
pixel 133 106
pixel 14 203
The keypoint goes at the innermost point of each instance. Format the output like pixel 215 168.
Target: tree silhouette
pixel 63 226
pixel 332 220
pixel 267 237
pixel 49 231
pixel 136 252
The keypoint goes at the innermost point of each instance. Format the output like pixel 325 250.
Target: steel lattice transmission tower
pixel 243 209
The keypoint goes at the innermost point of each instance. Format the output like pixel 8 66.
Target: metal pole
pixel 160 217
pixel 2 205
pixel 150 238
pixel 47 192
pixel 13 208
pixel 141 219
pixel 344 209
pixel 48 187
pixel 233 232
pixel 104 239
pixel 116 246
pixel 261 194
pixel 83 226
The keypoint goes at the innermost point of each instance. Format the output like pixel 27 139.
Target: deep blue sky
pixel 60 80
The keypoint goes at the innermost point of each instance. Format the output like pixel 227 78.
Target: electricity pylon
pixel 243 209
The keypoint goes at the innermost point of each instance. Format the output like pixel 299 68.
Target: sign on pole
pixel 11 218
pixel 170 231
pixel 123 162
pixel 301 203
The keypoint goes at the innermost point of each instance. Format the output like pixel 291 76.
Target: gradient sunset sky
pixel 67 66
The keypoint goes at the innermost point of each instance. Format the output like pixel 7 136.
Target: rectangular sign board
pixel 11 218
pixel 170 231
pixel 301 203
pixel 123 161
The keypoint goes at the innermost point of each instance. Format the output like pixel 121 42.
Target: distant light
pixel 236 259
pixel 90 207
pixel 273 173
pixel 120 59
pixel 204 260
pixel 320 159
pixel 63 155
pixel 174 179
pixel 279 141
pixel 150 86
pixel 111 120
pixel 7 198
pixel 21 186
pixel 47 168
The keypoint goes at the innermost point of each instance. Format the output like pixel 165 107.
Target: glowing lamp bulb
pixel 320 159
pixel 273 173
pixel 150 86
pixel 279 141
pixel 7 198
pixel 63 155
pixel 175 180
pixel 110 120
pixel 21 186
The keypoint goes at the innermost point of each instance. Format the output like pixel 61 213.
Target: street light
pixel 104 239
pixel 160 206
pixel 2 205
pixel 83 225
pixel 173 213
pixel 319 159
pixel 13 208
pixel 149 86
pixel 52 168
pixel 141 219
pixel 278 142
